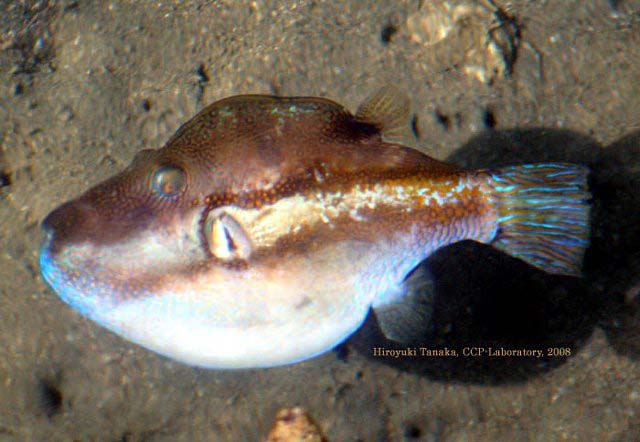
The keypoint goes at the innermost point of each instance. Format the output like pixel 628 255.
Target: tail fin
pixel 543 214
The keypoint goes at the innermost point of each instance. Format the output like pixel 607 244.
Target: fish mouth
pixel 48 238
pixel 48 266
pixel 67 284
pixel 70 223
pixel 60 229
pixel 45 258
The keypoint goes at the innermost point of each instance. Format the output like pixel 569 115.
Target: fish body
pixel 267 227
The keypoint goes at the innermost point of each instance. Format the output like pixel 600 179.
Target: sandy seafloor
pixel 84 85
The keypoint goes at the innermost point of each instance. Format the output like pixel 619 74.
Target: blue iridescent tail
pixel 543 214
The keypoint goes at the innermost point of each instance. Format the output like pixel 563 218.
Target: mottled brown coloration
pixel 248 151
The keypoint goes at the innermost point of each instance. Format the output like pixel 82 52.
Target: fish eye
pixel 169 181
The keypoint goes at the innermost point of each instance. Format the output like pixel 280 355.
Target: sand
pixel 84 85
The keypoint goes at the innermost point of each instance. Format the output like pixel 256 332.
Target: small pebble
pixel 293 424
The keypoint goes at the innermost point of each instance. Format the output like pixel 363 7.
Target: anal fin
pixel 407 318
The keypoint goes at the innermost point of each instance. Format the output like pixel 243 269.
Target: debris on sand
pixel 293 424
pixel 481 38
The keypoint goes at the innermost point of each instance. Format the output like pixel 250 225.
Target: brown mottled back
pixel 233 151
pixel 251 142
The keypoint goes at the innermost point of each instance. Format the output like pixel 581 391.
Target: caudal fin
pixel 543 215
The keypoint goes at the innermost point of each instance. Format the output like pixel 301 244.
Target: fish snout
pixel 69 223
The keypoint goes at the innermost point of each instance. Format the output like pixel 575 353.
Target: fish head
pixel 205 251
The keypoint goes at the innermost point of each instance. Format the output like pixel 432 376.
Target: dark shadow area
pixel 486 299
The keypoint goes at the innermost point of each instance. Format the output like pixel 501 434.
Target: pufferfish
pixel 267 227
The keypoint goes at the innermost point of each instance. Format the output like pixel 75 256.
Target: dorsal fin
pixel 389 110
